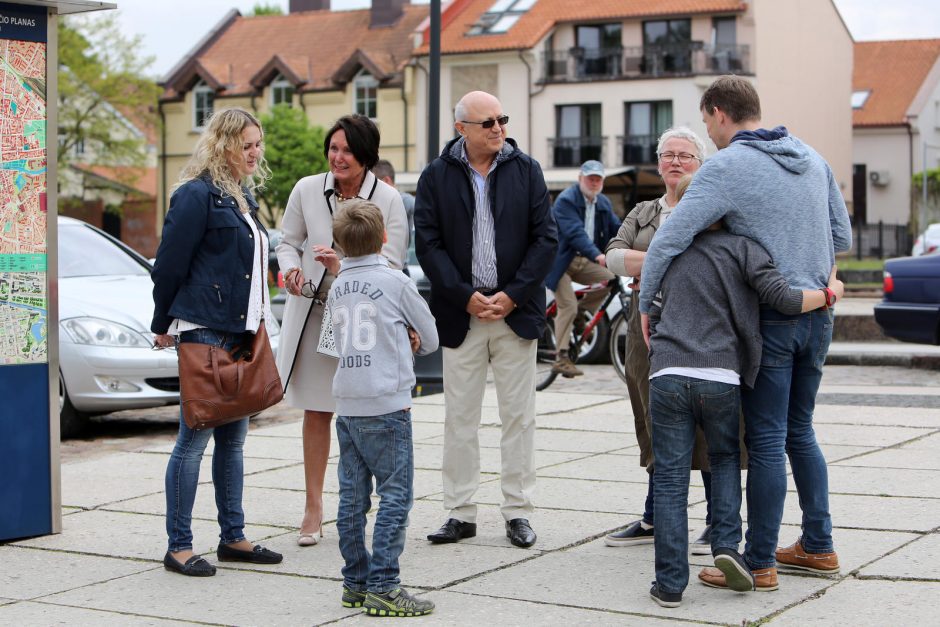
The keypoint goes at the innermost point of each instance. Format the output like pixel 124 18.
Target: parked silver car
pixel 105 306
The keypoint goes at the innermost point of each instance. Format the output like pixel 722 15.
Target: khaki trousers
pixel 584 271
pixel 513 362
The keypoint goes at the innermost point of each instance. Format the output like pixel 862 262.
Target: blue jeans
pixel 677 404
pixel 380 447
pixel 182 472
pixel 650 499
pixel 778 416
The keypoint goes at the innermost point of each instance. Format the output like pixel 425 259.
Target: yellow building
pixel 328 63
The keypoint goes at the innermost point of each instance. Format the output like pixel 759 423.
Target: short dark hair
pixel 359 229
pixel 383 168
pixel 735 96
pixel 362 135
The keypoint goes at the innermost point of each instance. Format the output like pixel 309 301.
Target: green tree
pixel 266 9
pixel 293 150
pixel 103 84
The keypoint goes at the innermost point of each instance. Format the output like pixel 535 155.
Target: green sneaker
pixel 353 598
pixel 396 603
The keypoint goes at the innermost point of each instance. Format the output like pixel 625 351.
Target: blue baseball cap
pixel 592 167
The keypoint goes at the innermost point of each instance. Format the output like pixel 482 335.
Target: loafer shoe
pixel 765 579
pixel 738 575
pixel 452 531
pixel 631 535
pixel 258 555
pixel 795 557
pixel 520 533
pixel 196 566
pixel 663 598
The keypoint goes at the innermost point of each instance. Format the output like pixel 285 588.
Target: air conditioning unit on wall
pixel 879 178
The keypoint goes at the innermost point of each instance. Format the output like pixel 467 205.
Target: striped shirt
pixel 484 229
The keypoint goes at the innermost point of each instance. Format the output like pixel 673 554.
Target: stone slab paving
pixel 29 573
pixel 863 479
pixel 248 598
pixel 919 559
pixel 872 415
pixel 867 604
pixel 41 613
pixel 107 479
pixel 901 457
pixel 863 435
pixel 134 536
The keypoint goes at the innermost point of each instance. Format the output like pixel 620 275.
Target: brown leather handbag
pixel 217 388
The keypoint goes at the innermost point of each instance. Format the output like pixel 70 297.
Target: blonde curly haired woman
pixel 209 288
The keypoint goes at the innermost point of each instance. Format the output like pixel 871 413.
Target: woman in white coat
pixel 310 262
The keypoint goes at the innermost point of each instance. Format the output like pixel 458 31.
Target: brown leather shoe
pixel 765 579
pixel 795 557
pixel 564 366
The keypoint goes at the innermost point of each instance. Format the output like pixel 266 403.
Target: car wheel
pixel 72 423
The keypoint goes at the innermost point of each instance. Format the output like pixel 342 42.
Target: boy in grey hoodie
pixel 378 320
pixel 705 342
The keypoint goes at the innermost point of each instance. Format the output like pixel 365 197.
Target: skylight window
pixel 501 16
pixel 859 98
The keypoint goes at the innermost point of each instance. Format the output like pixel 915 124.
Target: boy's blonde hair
pixel 359 229
pixel 683 185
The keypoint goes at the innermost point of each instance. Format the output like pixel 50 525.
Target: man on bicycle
pixel 586 222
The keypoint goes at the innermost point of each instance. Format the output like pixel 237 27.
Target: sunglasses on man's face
pixel 503 120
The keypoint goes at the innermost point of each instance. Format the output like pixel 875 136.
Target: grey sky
pixel 171 27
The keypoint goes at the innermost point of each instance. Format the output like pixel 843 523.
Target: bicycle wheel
pixel 545 356
pixel 618 345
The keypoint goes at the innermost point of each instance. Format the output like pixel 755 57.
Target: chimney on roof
pixel 386 12
pixel 297 6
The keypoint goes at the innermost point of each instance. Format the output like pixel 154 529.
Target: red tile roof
pixel 893 71
pixel 458 16
pixel 312 45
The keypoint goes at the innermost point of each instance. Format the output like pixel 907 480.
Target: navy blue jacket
pixel 573 240
pixel 205 260
pixel 526 238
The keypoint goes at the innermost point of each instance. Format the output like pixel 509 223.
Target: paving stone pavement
pixel 105 568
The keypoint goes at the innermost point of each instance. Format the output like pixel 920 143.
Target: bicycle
pixel 589 335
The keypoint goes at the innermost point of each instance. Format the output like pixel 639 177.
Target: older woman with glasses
pixel 679 152
pixel 311 261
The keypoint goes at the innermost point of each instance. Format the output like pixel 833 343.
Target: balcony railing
pixel 585 64
pixel 573 151
pixel 637 149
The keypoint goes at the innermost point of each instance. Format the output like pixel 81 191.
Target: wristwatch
pixel 830 296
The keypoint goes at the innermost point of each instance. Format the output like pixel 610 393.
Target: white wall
pixel 885 150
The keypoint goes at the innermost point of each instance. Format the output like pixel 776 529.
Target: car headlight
pixel 98 332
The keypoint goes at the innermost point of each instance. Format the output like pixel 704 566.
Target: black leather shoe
pixel 196 566
pixel 452 531
pixel 520 533
pixel 258 555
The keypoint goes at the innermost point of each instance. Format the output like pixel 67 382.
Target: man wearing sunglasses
pixel 485 237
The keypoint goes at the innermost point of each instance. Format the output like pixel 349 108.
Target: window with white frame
pixel 282 92
pixel 366 94
pixel 859 98
pixel 203 101
pixel 500 17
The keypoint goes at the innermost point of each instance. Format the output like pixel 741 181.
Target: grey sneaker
pixel 396 602
pixel 703 544
pixel 353 598
pixel 633 534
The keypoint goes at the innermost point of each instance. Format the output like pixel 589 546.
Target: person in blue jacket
pixel 586 222
pixel 209 288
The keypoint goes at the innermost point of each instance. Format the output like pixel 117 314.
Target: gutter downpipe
pixel 404 102
pixel 162 156
pixel 530 94
pixel 910 176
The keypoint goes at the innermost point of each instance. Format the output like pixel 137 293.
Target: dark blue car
pixel 910 311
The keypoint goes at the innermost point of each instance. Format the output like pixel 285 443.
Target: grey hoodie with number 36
pixel 373 306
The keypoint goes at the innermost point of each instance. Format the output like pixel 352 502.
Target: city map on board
pixel 23 303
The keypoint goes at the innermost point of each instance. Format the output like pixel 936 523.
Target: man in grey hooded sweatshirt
pixel 773 188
